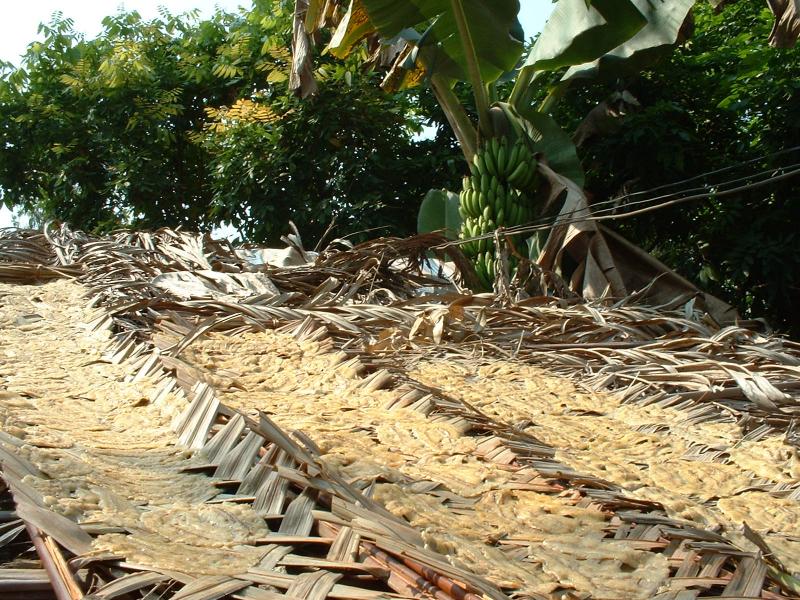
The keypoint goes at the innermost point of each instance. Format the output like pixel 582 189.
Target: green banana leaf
pixel 579 31
pixel 555 144
pixel 664 22
pixel 439 211
pixel 495 31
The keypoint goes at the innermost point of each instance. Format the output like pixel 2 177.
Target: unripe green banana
pixel 488 159
pixel 480 271
pixel 519 212
pixel 496 193
pixel 480 164
pixel 464 202
pixel 513 202
pixel 513 159
pixel 481 202
pixel 485 182
pixel 475 183
pixel 502 155
pixel 511 215
pixel 517 177
pixel 531 182
pixel 506 200
pixel 525 153
pixel 516 198
pixel 488 260
pixel 491 197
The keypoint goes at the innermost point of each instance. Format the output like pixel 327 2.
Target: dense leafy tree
pixel 181 121
pixel 722 98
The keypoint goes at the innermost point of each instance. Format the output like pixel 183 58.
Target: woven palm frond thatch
pixel 383 328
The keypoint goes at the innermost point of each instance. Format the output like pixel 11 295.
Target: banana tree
pixel 520 162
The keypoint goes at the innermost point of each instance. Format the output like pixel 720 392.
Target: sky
pixel 20 21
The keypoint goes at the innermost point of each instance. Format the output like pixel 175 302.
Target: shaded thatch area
pixel 177 421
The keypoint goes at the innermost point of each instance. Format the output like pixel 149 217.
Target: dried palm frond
pixel 375 303
pixel 378 296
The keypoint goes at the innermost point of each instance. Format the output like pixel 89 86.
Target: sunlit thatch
pixel 379 326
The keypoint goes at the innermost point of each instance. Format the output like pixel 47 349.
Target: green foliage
pixel 723 98
pixel 178 121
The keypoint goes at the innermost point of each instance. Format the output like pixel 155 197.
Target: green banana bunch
pixel 513 163
pixel 497 193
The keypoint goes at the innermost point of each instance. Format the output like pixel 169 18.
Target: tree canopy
pixel 181 121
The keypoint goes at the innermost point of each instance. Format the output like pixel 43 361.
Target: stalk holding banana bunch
pixel 497 194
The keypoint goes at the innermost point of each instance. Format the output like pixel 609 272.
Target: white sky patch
pixel 5 217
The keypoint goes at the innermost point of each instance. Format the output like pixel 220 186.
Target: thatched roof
pixel 357 428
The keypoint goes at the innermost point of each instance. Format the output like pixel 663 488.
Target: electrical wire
pixel 614 202
pixel 587 214
pixel 714 172
pixel 770 173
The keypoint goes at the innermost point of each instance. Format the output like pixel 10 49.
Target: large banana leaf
pixel 314 14
pixel 664 22
pixel 579 31
pixel 301 74
pixel 354 27
pixel 495 33
pixel 555 144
